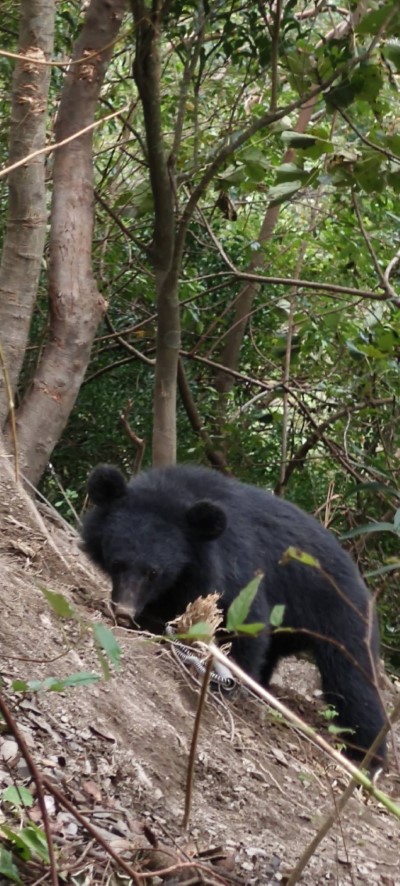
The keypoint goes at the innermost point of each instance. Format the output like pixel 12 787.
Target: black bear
pixel 174 534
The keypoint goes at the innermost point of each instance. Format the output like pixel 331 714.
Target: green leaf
pixel 240 608
pixel 276 616
pixel 104 638
pixel 393 142
pixel 56 684
pixel 368 175
pixel 368 529
pixel 29 841
pixel 7 866
pixel 255 157
pixel 298 139
pixel 199 631
pixel 367 82
pixel 341 95
pixel 253 628
pixel 103 662
pixel 279 193
pixel 391 52
pixel 58 603
pixel 293 553
pixel 20 686
pixel 33 840
pixel 339 730
pixel 18 796
pixel 374 20
pixel 389 567
pixel 330 713
pixel 82 678
pixel 289 172
pixel 396 520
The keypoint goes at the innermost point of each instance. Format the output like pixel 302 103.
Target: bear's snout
pixel 123 615
pixel 127 598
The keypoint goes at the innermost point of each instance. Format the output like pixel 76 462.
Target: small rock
pixel 247 866
pixel 8 750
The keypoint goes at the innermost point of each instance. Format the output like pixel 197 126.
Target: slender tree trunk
pixel 75 303
pixel 244 302
pixel 147 73
pixel 26 222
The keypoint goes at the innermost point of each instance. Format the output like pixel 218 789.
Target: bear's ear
pixel 105 485
pixel 207 519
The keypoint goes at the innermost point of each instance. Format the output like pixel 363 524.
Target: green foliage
pixel 7 866
pixel 240 608
pixel 58 603
pixel 200 631
pixel 17 796
pixel 107 649
pixel 29 842
pixel 368 528
pixel 329 713
pixel 277 615
pixel 292 553
pixel 105 640
pixel 55 684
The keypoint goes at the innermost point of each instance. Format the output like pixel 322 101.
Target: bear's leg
pixel 250 654
pixel 348 684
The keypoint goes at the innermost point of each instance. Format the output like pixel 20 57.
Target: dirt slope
pixel 119 749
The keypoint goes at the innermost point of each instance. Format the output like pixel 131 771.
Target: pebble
pixel 8 750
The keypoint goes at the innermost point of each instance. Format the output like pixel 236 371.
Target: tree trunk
pixel 147 73
pixel 26 222
pixel 244 302
pixel 75 303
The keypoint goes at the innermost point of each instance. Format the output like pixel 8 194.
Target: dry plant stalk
pixel 204 609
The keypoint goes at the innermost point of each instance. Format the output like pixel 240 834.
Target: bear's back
pixel 259 525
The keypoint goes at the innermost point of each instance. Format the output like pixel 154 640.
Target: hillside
pixel 118 749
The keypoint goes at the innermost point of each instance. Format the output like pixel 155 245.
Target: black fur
pixel 177 533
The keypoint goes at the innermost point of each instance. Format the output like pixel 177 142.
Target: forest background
pixel 200 228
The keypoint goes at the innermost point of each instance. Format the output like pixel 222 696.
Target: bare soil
pixel 118 749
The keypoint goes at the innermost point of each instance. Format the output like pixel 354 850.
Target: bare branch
pixel 215 457
pixel 137 441
pixel 276 16
pixel 384 282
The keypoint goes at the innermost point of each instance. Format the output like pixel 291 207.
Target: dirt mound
pixel 118 749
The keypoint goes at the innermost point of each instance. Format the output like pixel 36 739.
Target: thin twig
pixel 50 148
pixel 39 782
pixel 91 829
pixel 195 737
pixel 137 441
pixel 386 286
pixel 339 806
pixel 215 457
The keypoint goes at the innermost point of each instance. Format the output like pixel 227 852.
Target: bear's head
pixel 149 540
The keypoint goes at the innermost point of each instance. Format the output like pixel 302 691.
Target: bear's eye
pixel 151 573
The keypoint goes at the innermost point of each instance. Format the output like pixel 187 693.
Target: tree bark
pixel 75 303
pixel 244 302
pixel 26 222
pixel 147 74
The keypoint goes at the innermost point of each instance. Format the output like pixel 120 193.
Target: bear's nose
pixel 123 615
